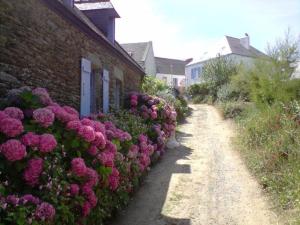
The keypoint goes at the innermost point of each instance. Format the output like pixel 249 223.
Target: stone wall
pixel 38 47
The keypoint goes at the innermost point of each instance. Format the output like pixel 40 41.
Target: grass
pixel 270 144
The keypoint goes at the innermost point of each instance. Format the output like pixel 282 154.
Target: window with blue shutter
pixel 196 72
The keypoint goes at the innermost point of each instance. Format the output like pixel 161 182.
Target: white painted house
pixel 296 74
pixel 239 50
pixel 171 71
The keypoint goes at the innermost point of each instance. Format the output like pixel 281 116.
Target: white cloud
pixel 140 22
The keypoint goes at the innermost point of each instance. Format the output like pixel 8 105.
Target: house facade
pixel 238 50
pixel 171 71
pixel 68 48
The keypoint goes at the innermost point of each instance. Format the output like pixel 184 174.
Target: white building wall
pixel 296 73
pixel 168 78
pixel 246 61
pixel 150 66
pixel 188 71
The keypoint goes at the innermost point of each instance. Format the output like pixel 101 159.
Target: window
pixel 196 72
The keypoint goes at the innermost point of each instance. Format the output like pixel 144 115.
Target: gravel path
pixel 203 182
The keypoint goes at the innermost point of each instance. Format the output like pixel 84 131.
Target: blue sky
pixel 184 29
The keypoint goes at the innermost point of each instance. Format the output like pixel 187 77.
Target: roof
pixel 170 66
pixel 231 46
pixel 96 5
pixel 138 51
pixel 82 22
pixel 237 48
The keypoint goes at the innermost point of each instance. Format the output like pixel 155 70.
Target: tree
pixel 217 72
pixel 153 86
pixel 285 52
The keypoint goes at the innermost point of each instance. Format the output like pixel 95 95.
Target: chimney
pixel 69 3
pixel 245 41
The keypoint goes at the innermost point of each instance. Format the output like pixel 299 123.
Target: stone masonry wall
pixel 40 48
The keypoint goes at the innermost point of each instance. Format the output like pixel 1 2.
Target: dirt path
pixel 203 182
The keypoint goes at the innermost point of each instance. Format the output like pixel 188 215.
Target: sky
pixel 185 29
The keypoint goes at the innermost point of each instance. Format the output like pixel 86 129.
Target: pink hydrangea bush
pixel 63 166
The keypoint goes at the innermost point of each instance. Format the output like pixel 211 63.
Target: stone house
pixel 68 48
pixel 237 49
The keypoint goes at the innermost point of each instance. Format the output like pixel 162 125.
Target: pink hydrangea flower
pixel 133 102
pixel 87 122
pixel 32 172
pixel 144 161
pixel 45 211
pixel 106 158
pixel 74 125
pixel 14 113
pixel 13 150
pixel 3 115
pixel 92 177
pixel 93 150
pixel 111 147
pixel 71 110
pixel 42 93
pixel 134 97
pixel 47 143
pixel 144 147
pixel 114 179
pixel 61 114
pixel 12 199
pixel 74 189
pixel 133 151
pixel 89 195
pixel 153 115
pixel 86 208
pixel 143 138
pixel 31 139
pixel 11 127
pixel 99 141
pixel 29 199
pixel 87 133
pixel 173 115
pixel 44 117
pixel 99 127
pixel 78 167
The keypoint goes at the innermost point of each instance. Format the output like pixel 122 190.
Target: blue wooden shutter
pixel 105 91
pixel 85 101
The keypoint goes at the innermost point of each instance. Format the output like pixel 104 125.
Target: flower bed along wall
pixel 58 168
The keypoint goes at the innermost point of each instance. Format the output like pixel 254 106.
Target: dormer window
pixel 102 14
pixel 69 3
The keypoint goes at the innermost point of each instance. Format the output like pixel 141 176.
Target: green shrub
pixel 217 72
pixel 125 120
pixel 232 109
pixel 268 84
pixel 228 93
pixel 270 142
pixel 198 99
pixel 181 107
pixel 152 85
pixel 198 89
